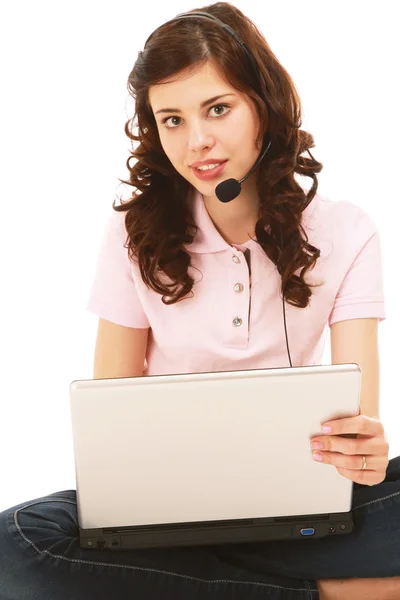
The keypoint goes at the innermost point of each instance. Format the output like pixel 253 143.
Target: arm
pixel 356 341
pixel 120 351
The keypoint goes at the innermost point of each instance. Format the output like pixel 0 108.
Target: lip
pixel 210 173
pixel 209 161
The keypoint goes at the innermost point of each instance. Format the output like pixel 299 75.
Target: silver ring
pixel 364 464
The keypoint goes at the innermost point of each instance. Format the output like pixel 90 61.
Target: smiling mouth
pixel 209 167
pixel 209 173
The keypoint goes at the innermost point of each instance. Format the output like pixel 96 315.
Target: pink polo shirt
pixel 222 327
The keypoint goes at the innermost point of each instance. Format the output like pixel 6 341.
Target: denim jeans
pixel 40 557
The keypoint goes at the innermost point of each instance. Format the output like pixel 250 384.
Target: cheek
pixel 242 129
pixel 171 147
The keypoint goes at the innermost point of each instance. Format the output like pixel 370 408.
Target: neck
pixel 235 221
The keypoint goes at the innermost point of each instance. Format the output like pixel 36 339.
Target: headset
pixel 229 189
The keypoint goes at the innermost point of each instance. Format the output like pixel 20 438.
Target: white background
pixel 64 103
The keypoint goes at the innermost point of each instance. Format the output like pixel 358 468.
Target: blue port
pixel 309 531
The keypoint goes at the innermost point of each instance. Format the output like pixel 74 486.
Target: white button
pixel 236 259
pixel 238 287
pixel 237 322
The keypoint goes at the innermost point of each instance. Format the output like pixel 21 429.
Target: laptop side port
pixel 308 531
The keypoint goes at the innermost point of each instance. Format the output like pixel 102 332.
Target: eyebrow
pixel 203 104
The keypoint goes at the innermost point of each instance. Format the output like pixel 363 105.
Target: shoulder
pixel 114 238
pixel 336 220
pixel 114 230
pixel 116 222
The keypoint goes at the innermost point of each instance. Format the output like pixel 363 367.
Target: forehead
pixel 189 87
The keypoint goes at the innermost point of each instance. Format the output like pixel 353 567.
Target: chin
pixel 207 190
pixel 203 187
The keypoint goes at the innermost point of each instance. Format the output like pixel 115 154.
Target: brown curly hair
pixel 158 220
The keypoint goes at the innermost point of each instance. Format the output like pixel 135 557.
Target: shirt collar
pixel 208 239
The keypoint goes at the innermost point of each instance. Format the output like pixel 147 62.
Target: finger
pixel 365 477
pixel 350 462
pixel 374 445
pixel 361 424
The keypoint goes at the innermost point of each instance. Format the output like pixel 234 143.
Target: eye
pixel 223 106
pixel 164 121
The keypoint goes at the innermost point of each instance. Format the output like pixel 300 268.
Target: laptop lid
pixel 208 446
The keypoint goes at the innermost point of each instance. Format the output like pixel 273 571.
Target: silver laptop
pixel 209 458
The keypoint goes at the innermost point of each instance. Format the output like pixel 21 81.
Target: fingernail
pixel 317 456
pixel 316 445
pixel 326 429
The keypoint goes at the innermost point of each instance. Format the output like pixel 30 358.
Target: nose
pixel 199 137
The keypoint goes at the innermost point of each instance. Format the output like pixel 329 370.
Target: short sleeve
pixel 361 293
pixel 113 294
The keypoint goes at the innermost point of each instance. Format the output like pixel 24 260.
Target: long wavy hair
pixel 158 219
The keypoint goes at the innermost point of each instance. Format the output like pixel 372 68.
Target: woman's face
pixel 224 129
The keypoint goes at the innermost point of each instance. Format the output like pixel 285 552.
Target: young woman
pixel 187 283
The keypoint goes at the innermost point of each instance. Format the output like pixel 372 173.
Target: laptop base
pixel 216 532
